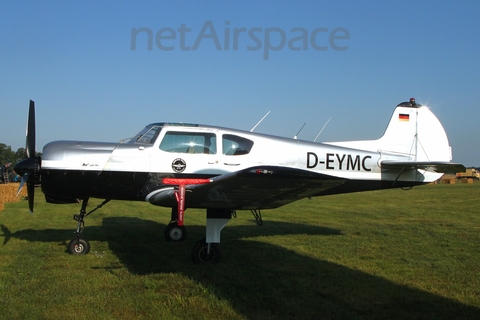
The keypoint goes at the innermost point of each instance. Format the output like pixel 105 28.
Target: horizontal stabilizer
pixel 437 166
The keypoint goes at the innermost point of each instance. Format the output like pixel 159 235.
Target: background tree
pixel 7 155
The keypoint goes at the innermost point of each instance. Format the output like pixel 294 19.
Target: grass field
pixel 390 254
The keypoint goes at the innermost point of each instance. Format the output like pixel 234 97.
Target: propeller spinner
pixel 29 168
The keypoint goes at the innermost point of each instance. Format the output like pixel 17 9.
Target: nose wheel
pixel 78 246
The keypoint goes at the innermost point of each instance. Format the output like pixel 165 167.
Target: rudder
pixel 416 133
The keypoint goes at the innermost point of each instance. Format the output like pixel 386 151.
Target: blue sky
pixel 74 58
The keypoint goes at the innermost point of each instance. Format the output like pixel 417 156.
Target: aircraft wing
pixel 437 166
pixel 262 187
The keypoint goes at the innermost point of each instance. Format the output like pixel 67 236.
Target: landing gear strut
pixel 207 250
pixel 80 246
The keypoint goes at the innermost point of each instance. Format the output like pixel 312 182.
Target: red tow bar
pixel 180 193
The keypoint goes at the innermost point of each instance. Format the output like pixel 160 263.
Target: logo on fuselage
pixel 179 165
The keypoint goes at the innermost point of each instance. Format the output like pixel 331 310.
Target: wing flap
pixel 437 166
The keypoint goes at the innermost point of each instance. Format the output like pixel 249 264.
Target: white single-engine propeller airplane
pixel 183 166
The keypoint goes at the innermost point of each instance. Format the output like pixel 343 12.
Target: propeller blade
pixel 29 168
pixel 30 143
pixel 22 183
pixel 31 195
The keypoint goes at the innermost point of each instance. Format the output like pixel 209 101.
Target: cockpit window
pixel 147 136
pixel 150 136
pixel 235 145
pixel 189 142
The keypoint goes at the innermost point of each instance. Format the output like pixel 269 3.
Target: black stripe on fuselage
pixel 63 186
pixel 67 186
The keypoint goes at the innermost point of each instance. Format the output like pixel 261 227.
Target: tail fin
pixel 415 132
pixel 415 136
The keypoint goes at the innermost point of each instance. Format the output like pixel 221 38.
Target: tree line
pixel 8 159
pixel 7 155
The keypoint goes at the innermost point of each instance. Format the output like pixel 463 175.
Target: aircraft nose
pixel 28 165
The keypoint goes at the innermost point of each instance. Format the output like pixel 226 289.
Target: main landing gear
pixel 207 250
pixel 80 246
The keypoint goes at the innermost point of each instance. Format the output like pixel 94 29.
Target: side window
pixel 235 145
pixel 189 142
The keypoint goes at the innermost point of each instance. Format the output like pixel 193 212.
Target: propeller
pixel 29 168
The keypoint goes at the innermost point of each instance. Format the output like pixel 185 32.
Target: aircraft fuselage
pixel 133 169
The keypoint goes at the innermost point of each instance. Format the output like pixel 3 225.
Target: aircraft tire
pixel 200 255
pixel 78 248
pixel 174 233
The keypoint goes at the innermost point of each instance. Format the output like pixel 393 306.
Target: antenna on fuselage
pixel 299 131
pixel 322 129
pixel 260 121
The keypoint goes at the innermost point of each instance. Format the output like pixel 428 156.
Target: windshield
pixel 147 136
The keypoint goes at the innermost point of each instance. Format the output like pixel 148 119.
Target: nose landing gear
pixel 78 245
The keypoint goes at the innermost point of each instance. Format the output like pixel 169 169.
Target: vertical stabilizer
pixel 413 134
pixel 416 133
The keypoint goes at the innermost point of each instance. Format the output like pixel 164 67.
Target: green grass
pixel 384 254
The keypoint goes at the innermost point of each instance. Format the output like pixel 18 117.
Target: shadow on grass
pixel 261 280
